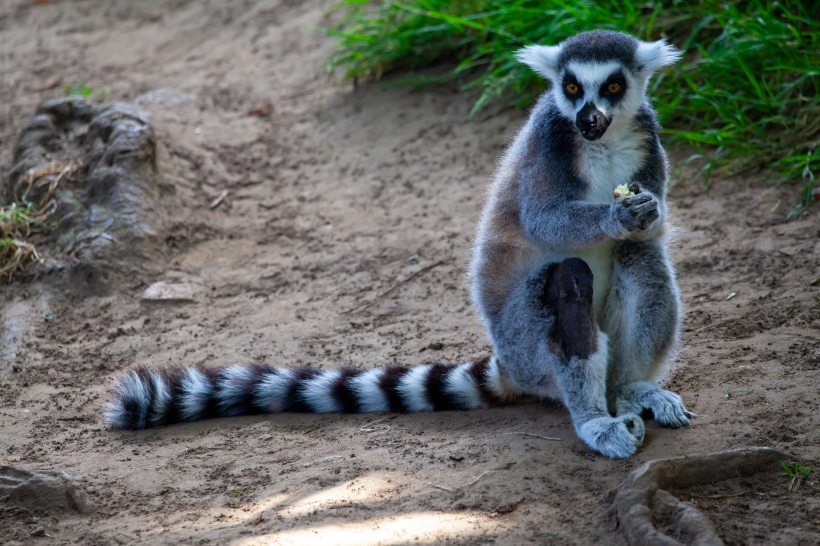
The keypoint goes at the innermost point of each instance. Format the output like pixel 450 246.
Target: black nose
pixel 591 122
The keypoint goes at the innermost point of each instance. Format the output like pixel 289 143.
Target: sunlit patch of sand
pixel 363 489
pixel 418 527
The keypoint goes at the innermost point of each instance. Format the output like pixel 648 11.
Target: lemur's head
pixel 599 77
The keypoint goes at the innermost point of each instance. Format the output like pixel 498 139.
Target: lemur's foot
pixel 667 407
pixel 613 436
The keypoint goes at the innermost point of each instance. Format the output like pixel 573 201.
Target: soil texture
pixel 292 205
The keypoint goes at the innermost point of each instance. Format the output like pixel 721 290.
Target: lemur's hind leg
pixel 548 344
pixel 642 321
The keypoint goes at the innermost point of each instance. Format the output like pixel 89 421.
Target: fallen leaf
pixel 261 111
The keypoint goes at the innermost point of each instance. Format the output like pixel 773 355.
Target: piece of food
pixel 622 191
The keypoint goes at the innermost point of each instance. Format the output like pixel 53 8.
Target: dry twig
pixel 324 459
pixel 461 486
pixel 535 436
pixel 384 426
pixel 718 323
pixel 719 496
pixel 395 287
pixel 216 202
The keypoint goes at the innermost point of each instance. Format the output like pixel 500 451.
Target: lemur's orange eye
pixel 572 88
pixel 614 87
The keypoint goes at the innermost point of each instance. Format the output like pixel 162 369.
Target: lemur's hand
pixel 636 212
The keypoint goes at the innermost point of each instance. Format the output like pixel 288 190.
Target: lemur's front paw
pixel 637 211
pixel 613 436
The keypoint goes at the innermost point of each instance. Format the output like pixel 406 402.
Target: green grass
pixel 80 89
pixel 15 225
pixel 796 472
pixel 747 94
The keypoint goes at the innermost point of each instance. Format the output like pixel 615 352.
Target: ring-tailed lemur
pixel 575 287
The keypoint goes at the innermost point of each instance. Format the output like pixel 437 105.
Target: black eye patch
pixel 573 90
pixel 614 85
pixel 614 88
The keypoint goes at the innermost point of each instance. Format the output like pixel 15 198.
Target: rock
pixel 640 502
pixel 106 203
pixel 42 491
pixel 161 293
pixel 508 507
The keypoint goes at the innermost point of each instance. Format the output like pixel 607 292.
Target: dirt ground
pixel 335 196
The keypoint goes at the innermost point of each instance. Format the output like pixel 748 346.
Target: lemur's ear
pixel 653 55
pixel 542 59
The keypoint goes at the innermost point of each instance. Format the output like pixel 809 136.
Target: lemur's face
pixel 592 95
pixel 599 78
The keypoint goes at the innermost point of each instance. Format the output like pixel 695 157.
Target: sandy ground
pixel 334 198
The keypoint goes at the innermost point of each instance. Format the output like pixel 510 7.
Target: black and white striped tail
pixel 145 398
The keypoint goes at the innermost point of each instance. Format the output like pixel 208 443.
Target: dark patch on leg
pixel 389 383
pixel 434 387
pixel 570 294
pixel 342 392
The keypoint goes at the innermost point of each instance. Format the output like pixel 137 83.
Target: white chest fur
pixel 605 164
pixel 609 162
